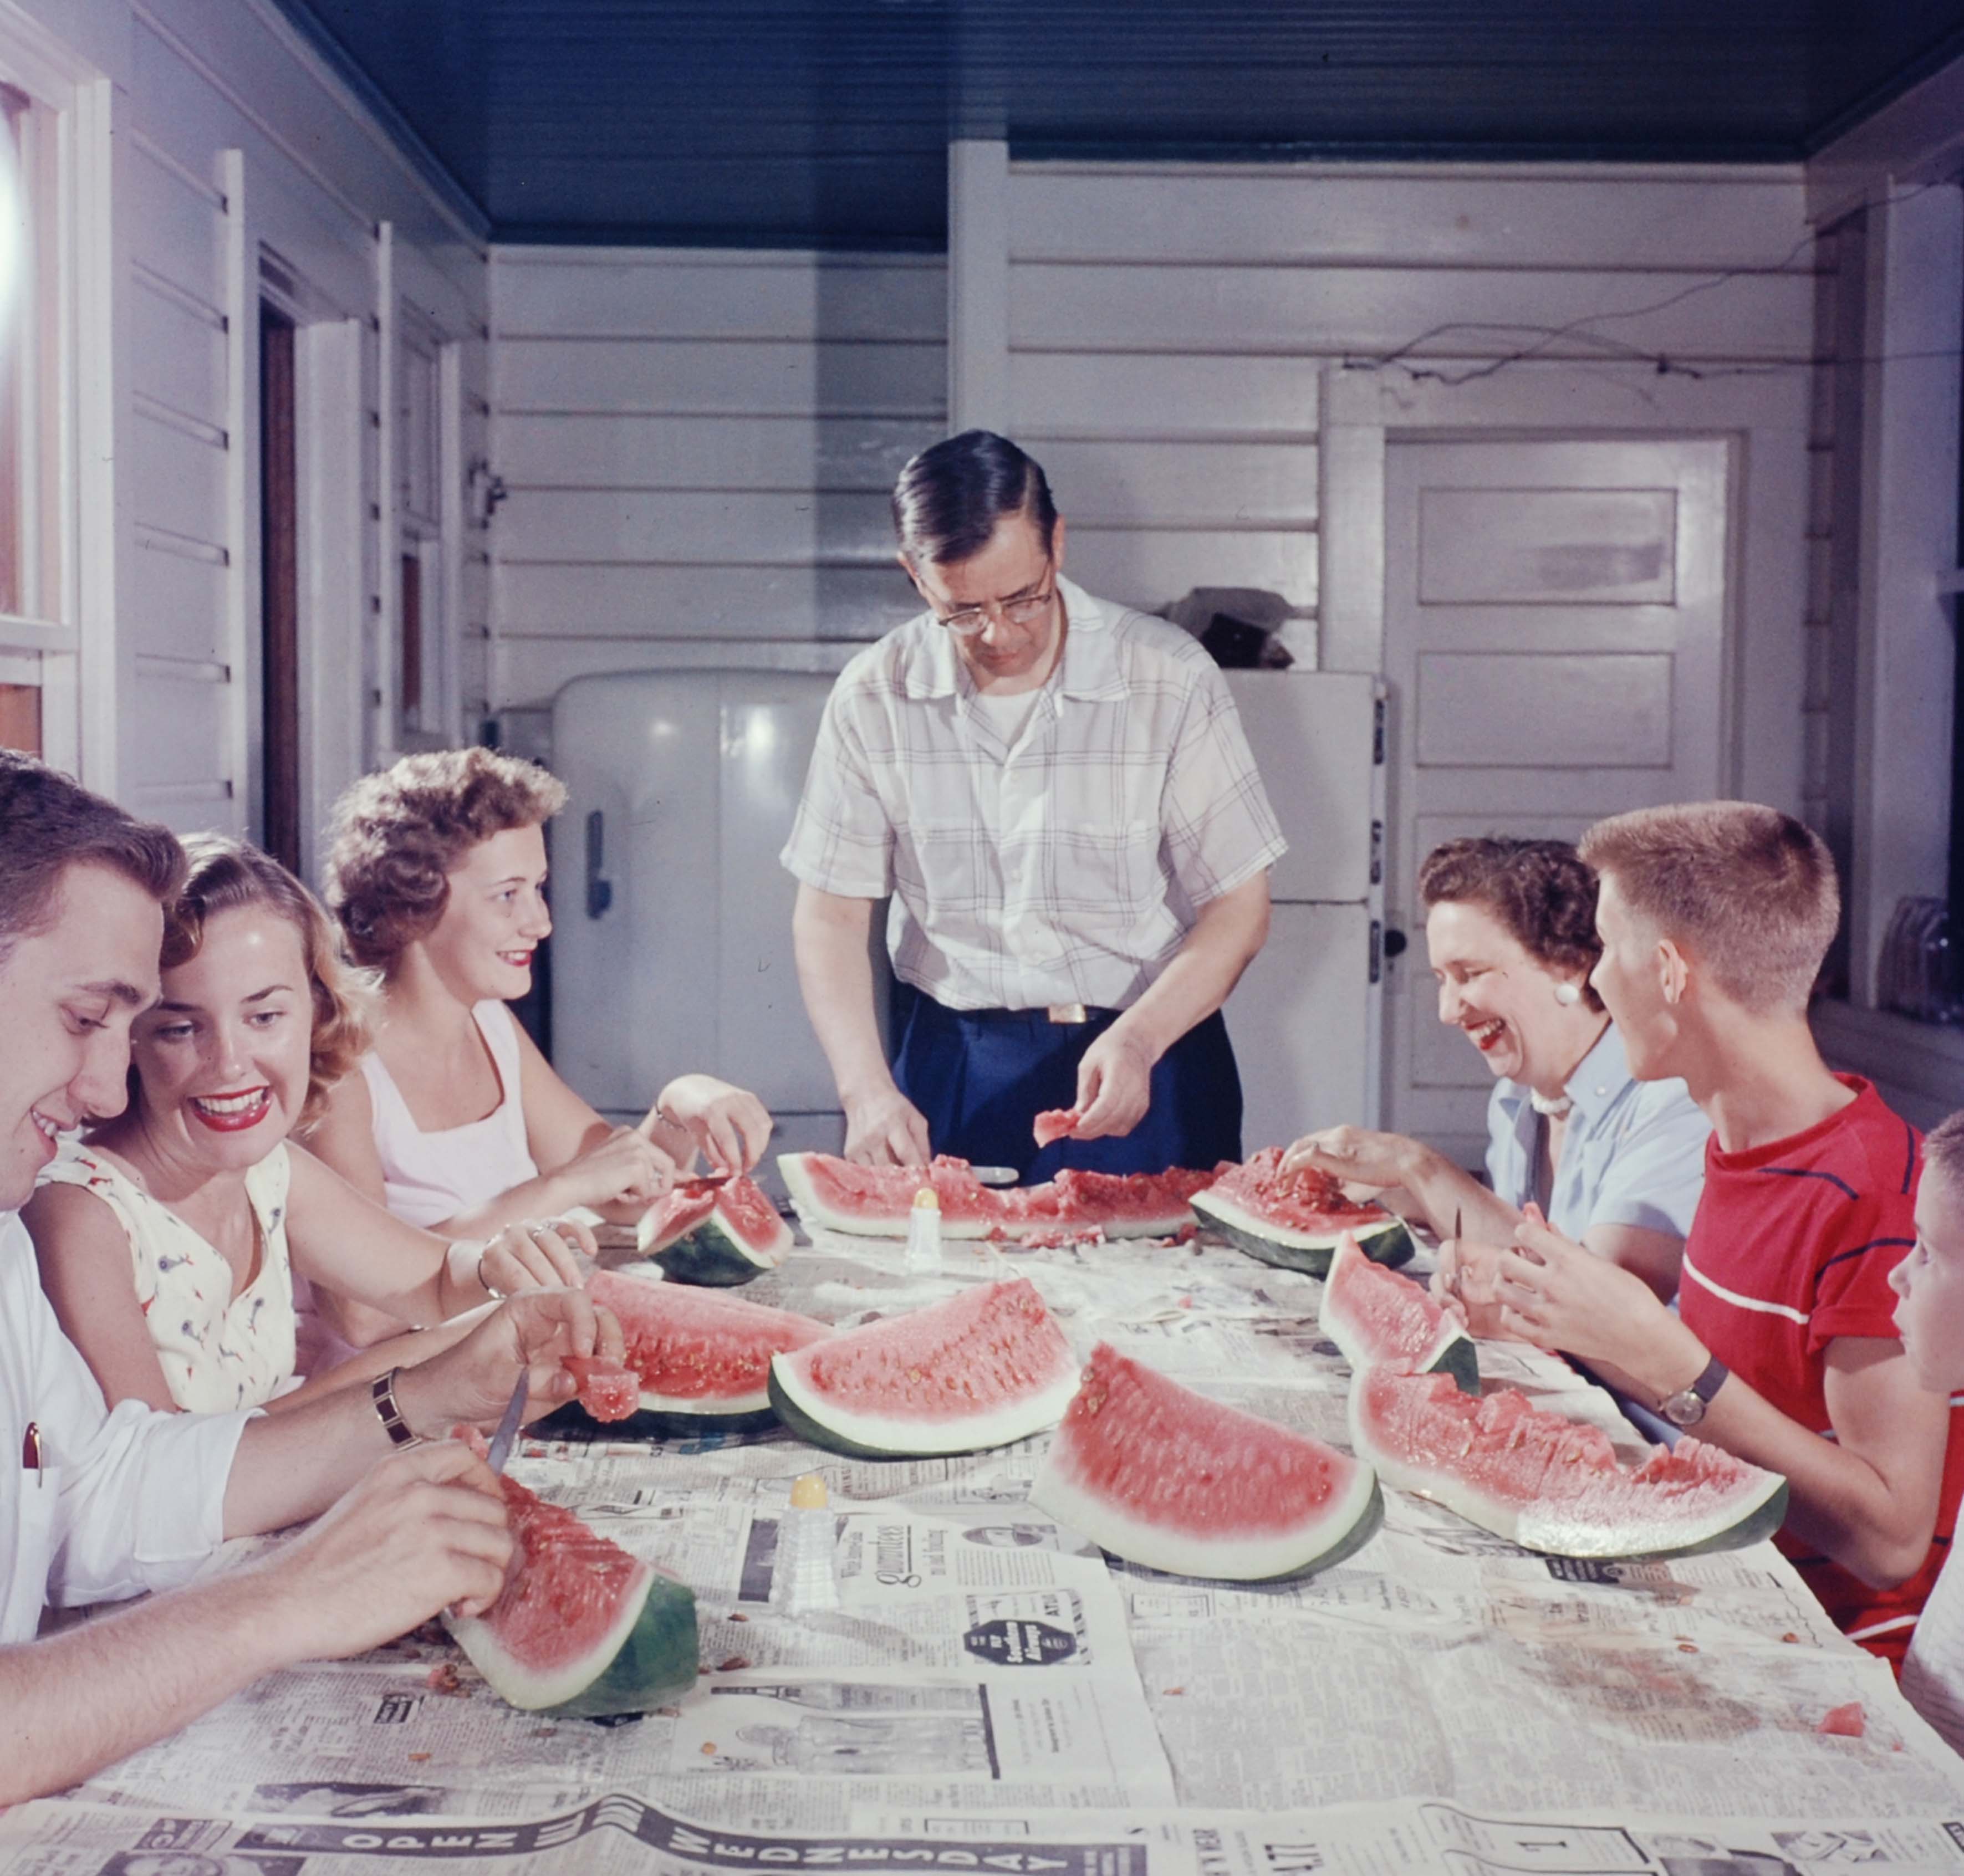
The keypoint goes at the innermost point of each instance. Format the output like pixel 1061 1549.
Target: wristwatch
pixel 1686 1407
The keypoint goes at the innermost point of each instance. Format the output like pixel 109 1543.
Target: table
pixel 990 1680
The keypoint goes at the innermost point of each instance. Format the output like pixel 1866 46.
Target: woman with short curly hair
pixel 1616 1163
pixel 198 1193
pixel 458 1122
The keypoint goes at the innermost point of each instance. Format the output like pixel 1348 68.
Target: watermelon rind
pixel 660 1417
pixel 841 1393
pixel 711 1254
pixel 1557 1527
pixel 826 1424
pixel 647 1658
pixel 1451 1352
pixel 1387 1242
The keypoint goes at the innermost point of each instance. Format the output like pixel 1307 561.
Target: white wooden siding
pixel 697 447
pixel 1168 325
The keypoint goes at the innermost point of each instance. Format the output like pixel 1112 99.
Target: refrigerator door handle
pixel 599 890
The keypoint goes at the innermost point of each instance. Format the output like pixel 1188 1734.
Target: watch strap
pixel 382 1392
pixel 1679 1408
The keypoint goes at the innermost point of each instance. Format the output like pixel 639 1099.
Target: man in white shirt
pixel 105 1504
pixel 1056 792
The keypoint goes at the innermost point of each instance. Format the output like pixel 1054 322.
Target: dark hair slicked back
pixel 49 822
pixel 949 497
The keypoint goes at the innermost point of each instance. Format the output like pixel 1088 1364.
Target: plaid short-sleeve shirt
pixel 1067 867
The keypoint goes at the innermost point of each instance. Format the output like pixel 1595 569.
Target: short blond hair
pixel 1943 1153
pixel 1749 891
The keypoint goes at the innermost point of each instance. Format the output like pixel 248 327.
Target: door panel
pixel 1555 642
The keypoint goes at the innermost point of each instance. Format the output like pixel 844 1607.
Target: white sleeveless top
pixel 427 1178
pixel 218 1352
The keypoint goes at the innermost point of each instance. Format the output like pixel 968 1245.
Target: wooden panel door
pixel 1555 648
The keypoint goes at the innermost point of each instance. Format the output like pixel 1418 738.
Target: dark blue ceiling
pixel 824 123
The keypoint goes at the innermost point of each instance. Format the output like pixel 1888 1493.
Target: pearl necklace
pixel 1557 1109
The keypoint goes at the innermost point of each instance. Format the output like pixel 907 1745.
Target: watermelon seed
pixel 736 1662
pixel 737 1615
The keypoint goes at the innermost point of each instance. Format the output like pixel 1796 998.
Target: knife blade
pixel 995 1175
pixel 507 1428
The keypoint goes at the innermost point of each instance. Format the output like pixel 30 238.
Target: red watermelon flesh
pixel 876 1201
pixel 1549 1484
pixel 988 1367
pixel 718 1231
pixel 1381 1319
pixel 607 1390
pixel 1163 1476
pixel 581 1627
pixel 1055 1123
pixel 698 1352
pixel 1294 1219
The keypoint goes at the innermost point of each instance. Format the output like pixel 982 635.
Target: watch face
pixel 1686 1408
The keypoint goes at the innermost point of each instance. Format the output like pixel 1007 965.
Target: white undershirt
pixel 1008 714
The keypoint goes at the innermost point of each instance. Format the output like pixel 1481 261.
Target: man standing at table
pixel 1058 794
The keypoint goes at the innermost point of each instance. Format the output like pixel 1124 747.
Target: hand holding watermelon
pixel 885 1128
pixel 626 1168
pixel 471 1381
pixel 1558 1294
pixel 1114 1085
pixel 1467 1282
pixel 425 1529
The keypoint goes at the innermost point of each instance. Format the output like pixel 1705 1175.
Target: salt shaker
pixel 802 1580
pixel 924 1251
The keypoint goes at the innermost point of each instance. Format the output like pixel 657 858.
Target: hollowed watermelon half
pixel 988 1367
pixel 1294 1219
pixel 1548 1484
pixel 1161 1475
pixel 715 1232
pixel 1381 1319
pixel 833 1194
pixel 581 1629
pixel 702 1359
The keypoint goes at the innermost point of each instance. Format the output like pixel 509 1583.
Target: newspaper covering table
pixel 993 1694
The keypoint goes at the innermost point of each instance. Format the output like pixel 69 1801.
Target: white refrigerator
pixel 672 945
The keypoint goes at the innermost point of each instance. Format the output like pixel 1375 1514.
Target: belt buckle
pixel 1067 1013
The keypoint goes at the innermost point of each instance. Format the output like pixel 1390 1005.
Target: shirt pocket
pixel 948 866
pixel 23 1584
pixel 1107 876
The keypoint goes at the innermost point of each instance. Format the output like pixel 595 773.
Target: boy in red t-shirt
pixel 1714 919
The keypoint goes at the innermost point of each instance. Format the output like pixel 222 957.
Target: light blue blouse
pixel 1634 1153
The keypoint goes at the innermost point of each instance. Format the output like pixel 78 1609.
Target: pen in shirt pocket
pixel 30 1450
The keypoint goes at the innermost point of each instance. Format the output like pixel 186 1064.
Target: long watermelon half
pixel 1294 1219
pixel 988 1367
pixel 1381 1319
pixel 1549 1484
pixel 832 1195
pixel 703 1358
pixel 715 1232
pixel 1161 1475
pixel 581 1629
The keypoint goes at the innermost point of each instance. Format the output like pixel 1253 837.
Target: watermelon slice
pixel 607 1390
pixel 1294 1219
pixel 1055 1123
pixel 701 1360
pixel 1381 1319
pixel 874 1201
pixel 987 1367
pixel 581 1629
pixel 717 1232
pixel 1548 1484
pixel 1161 1475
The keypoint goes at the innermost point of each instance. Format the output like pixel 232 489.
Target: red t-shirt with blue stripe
pixel 1791 1246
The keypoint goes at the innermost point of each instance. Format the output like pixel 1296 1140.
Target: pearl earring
pixel 1568 994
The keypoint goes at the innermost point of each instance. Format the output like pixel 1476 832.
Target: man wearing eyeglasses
pixel 1056 793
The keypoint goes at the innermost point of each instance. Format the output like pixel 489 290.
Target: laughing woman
pixel 457 1121
pixel 1615 1163
pixel 173 1238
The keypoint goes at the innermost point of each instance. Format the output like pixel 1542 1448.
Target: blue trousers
pixel 980 1077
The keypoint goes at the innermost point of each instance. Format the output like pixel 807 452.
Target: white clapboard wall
pixel 697 446
pixel 1167 326
pixel 237 164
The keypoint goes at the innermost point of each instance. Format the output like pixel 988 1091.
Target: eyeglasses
pixel 1020 613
